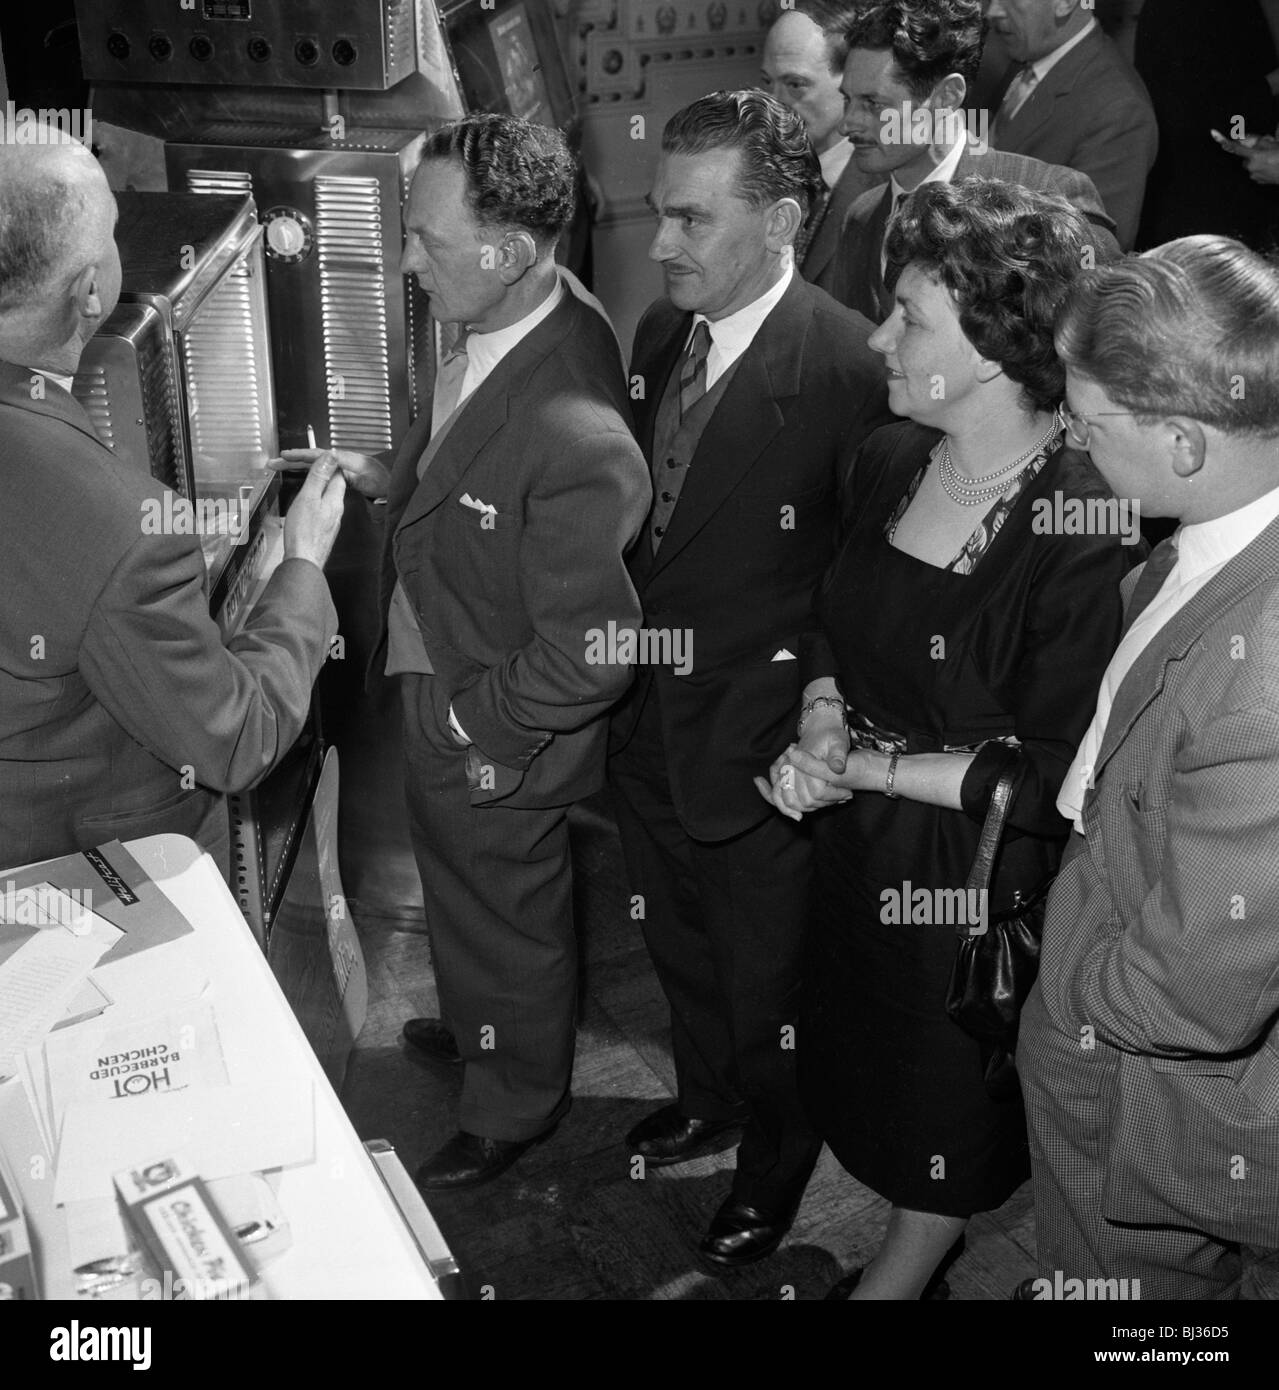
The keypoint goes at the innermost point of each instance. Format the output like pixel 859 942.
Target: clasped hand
pixel 817 771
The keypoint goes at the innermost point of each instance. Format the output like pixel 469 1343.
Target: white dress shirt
pixel 942 172
pixel 64 381
pixel 731 336
pixel 834 161
pixel 485 350
pixel 1202 550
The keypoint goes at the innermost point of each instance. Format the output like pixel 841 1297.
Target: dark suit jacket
pixel 821 266
pixel 506 605
pixel 749 540
pixel 113 677
pixel 860 283
pixel 1161 930
pixel 1091 113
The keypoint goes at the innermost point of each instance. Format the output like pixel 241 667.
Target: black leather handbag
pixel 994 969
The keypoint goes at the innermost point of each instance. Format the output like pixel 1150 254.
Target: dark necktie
pixel 811 227
pixel 1018 93
pixel 1151 579
pixel 692 373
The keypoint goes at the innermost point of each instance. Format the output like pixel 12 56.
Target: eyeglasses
pixel 1079 427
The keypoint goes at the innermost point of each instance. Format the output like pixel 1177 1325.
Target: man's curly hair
pixel 517 174
pixel 778 159
pixel 1009 257
pixel 928 38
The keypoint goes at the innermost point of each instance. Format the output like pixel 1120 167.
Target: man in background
pixel 804 53
pixel 1071 98
pixel 905 80
pixel 755 389
pixel 122 714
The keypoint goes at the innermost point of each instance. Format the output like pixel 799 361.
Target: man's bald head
pixel 59 266
pixel 55 211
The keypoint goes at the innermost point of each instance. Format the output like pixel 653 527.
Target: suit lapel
pixel 852 183
pixel 875 290
pixel 1257 563
pixel 746 420
pixel 1039 106
pixel 479 419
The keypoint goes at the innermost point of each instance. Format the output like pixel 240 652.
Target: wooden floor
pixel 569 1221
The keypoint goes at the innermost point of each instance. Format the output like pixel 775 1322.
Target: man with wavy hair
pixel 910 64
pixel 510 504
pixel 755 389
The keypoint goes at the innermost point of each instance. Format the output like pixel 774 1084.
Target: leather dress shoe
pixel 468 1160
pixel 740 1235
pixel 935 1291
pixel 668 1136
pixel 430 1038
pixel 1025 1292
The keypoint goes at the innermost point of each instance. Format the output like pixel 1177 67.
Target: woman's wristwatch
pixel 830 701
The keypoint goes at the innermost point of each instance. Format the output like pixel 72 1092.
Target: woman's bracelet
pixel 831 701
pixel 891 777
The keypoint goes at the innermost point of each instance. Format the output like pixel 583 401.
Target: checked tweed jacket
pixel 1163 934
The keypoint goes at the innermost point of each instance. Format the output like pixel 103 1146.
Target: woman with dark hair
pixel 966 623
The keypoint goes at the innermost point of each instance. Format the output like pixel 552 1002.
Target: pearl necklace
pixel 973 492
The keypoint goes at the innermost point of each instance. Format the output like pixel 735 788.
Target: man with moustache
pixel 908 69
pixel 757 389
pixel 804 53
pixel 509 505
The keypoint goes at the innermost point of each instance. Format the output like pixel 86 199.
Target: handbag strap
pixel 992 832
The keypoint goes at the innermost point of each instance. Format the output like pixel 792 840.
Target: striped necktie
pixel 1018 93
pixel 692 374
pixel 811 227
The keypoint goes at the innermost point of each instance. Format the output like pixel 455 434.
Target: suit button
pixel 668 497
pixel 659 530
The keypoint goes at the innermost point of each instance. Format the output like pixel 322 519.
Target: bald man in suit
pixel 804 53
pixel 122 713
pixel 1071 98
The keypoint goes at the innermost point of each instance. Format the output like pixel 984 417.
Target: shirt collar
pixel 486 350
pixel 834 161
pixel 733 335
pixel 1209 544
pixel 64 381
pixel 942 172
pixel 1041 67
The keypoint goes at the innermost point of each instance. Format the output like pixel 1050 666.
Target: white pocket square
pixel 782 654
pixel 468 501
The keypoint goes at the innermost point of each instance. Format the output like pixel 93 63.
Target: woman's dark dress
pixel 1015 647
